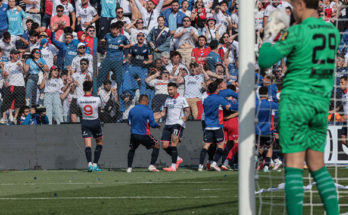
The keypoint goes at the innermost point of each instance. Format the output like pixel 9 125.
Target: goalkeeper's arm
pixel 268 55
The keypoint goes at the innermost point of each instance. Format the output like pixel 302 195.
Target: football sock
pixel 174 154
pixel 97 152
pixel 168 150
pixel 154 155
pixel 267 161
pixel 294 192
pixel 211 152
pixel 225 152
pixel 131 153
pixel 202 156
pixel 174 165
pixel 218 154
pixel 327 190
pixel 88 152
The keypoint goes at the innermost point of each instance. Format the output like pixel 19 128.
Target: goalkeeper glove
pixel 277 21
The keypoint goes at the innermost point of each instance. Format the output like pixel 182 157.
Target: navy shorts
pixel 214 136
pixel 146 140
pixel 91 128
pixel 264 140
pixel 168 130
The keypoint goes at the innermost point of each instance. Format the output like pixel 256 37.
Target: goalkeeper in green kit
pixel 310 48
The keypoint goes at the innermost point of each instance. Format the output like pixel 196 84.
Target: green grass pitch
pixel 115 192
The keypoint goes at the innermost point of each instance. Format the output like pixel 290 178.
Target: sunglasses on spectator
pixel 82 47
pixel 60 10
pixel 140 22
pixel 187 20
pixel 26 111
pixel 119 11
pixel 91 30
pixel 83 63
pixel 141 35
pixel 37 52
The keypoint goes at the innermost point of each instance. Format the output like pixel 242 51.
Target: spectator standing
pixel 46 19
pixel 108 12
pixel 14 90
pixel 86 14
pixel 139 27
pixel 3 18
pixel 109 99
pixel 53 86
pixel 116 43
pixel 175 64
pixel 159 38
pixel 229 52
pixel 59 22
pixel 199 15
pixel 120 17
pixel 8 42
pixel 67 49
pixel 200 53
pixel 173 17
pixel 48 52
pixel 150 13
pixel 186 37
pixel 15 16
pixel 81 54
pixel 32 67
pixel 185 8
pixel 91 40
pixel 159 81
pixel 68 10
pixel 213 58
pixel 32 9
pixel 222 18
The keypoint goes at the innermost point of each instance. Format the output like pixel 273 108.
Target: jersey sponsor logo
pixel 285 36
pixel 113 46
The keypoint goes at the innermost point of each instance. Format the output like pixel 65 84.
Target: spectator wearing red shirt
pixel 46 19
pixel 200 53
pixel 91 40
pixel 199 15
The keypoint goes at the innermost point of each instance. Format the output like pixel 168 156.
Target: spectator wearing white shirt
pixel 12 72
pixel 81 54
pixel 193 87
pixel 48 52
pixel 175 64
pixel 120 17
pixel 150 14
pixel 186 38
pixel 78 79
pixel 159 81
pixel 134 29
pixel 184 8
pixel 109 98
pixel 211 31
pixel 32 8
pixel 223 18
pixel 53 86
pixel 8 42
pixel 86 14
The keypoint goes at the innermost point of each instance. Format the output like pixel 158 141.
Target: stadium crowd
pixel 48 48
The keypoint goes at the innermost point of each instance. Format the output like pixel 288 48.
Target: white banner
pixel 335 151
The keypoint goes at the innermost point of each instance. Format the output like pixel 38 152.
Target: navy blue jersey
pixel 213 109
pixel 264 113
pixel 139 54
pixel 140 119
pixel 113 45
pixel 212 60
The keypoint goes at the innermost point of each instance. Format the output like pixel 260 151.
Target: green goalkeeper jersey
pixel 310 48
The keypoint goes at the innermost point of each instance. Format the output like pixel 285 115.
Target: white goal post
pixel 246 149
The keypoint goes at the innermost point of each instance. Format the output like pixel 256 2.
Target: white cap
pixel 80 44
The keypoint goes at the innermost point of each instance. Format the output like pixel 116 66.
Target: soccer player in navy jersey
pixel 213 110
pixel 263 128
pixel 140 57
pixel 90 125
pixel 141 118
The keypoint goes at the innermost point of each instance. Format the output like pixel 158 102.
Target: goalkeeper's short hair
pixel 311 4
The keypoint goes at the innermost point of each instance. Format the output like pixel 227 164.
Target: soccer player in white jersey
pixel 176 110
pixel 90 125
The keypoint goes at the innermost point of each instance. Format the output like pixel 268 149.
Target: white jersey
pixel 68 8
pixel 133 35
pixel 75 64
pixel 89 106
pixel 345 103
pixel 80 78
pixel 86 14
pixel 193 86
pixel 175 110
pixel 187 37
pixel 15 77
pixel 54 85
pixel 161 86
pixel 124 19
pixel 48 54
pixel 259 19
pixel 37 5
pixel 7 47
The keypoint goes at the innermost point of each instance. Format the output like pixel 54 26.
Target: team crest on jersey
pixel 285 35
pixel 144 51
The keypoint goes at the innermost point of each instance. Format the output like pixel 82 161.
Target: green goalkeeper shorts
pixel 303 123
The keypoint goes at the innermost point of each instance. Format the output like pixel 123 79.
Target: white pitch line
pixel 109 197
pixel 107 183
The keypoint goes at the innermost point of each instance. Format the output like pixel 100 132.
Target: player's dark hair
pixel 142 97
pixel 232 87
pixel 6 35
pixel 118 25
pixel 263 91
pixel 172 84
pixel 214 44
pixel 87 86
pixel 311 4
pixel 344 78
pixel 84 60
pixel 212 87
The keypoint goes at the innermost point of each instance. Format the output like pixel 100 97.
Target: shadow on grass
pixel 191 208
